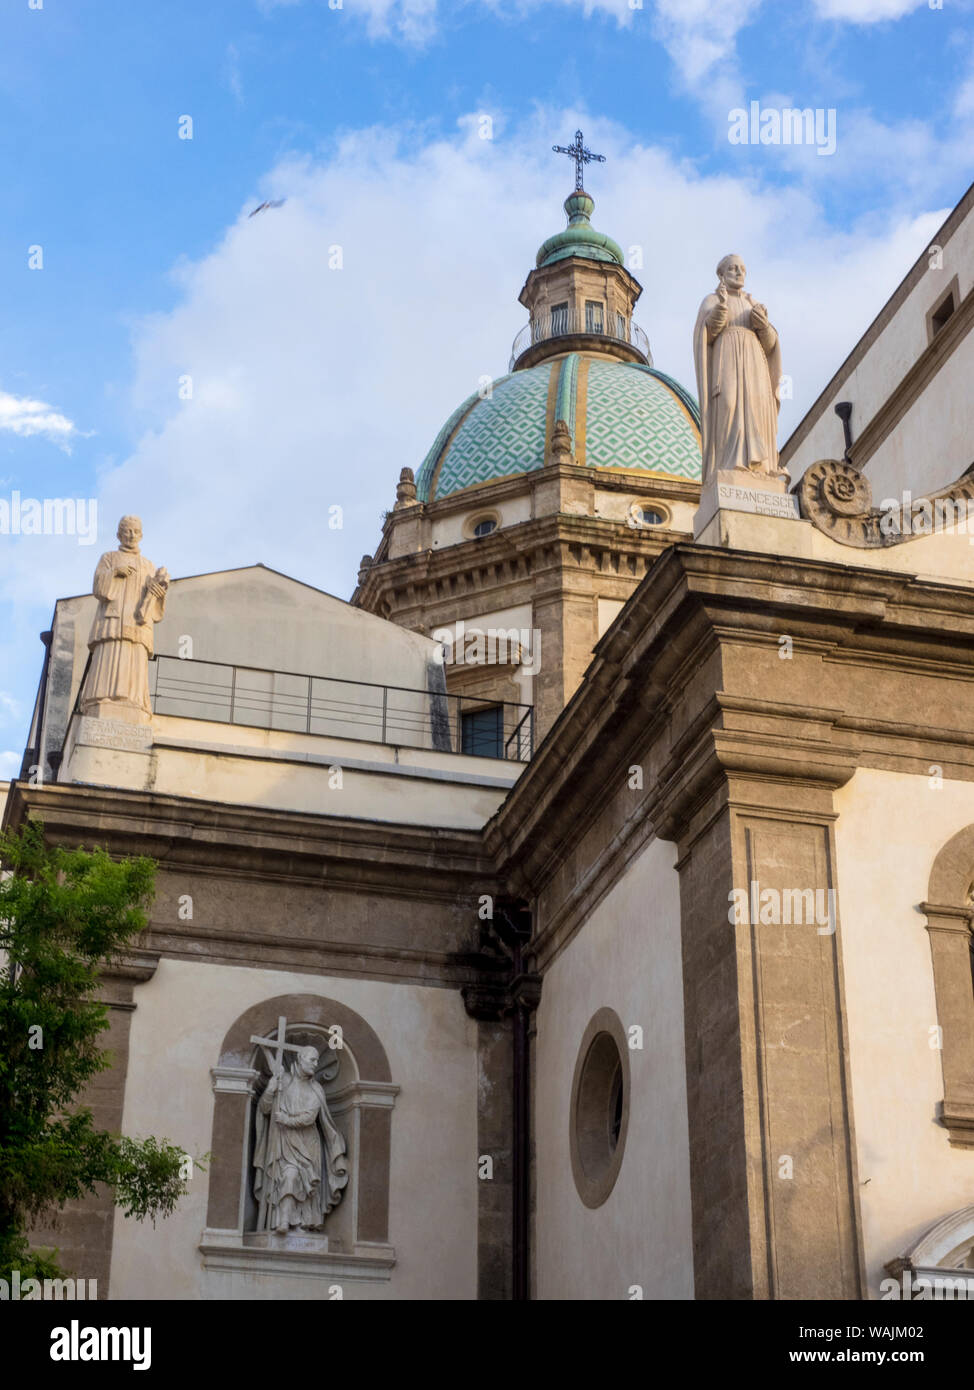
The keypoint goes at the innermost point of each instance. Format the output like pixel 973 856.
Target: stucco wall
pixel 931 445
pixel 452 528
pixel 181 1018
pixel 626 957
pixel 614 506
pixel 236 765
pixel 890 829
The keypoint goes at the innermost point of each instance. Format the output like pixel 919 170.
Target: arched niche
pixel 950 911
pixel 360 1094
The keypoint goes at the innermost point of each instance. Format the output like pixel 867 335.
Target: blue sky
pixel 313 386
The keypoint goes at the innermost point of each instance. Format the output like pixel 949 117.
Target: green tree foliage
pixel 63 914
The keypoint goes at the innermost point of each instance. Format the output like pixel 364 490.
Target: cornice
pixel 693 602
pixel 558 543
pixel 494 491
pixel 253 842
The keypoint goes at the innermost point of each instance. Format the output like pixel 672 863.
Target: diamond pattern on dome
pixel 502 435
pixel 425 475
pixel 633 420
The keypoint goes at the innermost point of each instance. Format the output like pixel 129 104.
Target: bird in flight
pixel 273 203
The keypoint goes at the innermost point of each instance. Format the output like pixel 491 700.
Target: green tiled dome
pixel 619 414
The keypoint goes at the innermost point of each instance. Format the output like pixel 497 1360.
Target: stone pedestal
pixel 114 733
pixel 107 753
pixel 740 490
pixel 115 712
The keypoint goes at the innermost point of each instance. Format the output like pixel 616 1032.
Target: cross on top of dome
pixel 581 156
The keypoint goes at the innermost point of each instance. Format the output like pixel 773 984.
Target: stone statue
pixel 132 597
pixel 299 1163
pixel 738 362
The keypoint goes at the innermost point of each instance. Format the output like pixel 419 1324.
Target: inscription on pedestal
pixel 761 501
pixel 115 733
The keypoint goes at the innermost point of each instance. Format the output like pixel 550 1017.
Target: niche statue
pixel 299 1158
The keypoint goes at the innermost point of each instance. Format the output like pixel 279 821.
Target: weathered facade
pixel 648 940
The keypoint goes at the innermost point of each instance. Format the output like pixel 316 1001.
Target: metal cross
pixel 581 156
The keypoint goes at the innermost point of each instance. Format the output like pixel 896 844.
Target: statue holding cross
pixel 577 151
pixel 299 1156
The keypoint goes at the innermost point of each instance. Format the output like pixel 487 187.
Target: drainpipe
pixel 844 411
pixel 512 921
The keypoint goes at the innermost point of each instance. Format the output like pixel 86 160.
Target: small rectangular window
pixel 943 309
pixel 593 317
pixel 621 327
pixel 559 318
pixel 942 314
pixel 482 732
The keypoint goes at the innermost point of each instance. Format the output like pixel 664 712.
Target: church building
pixel 583 911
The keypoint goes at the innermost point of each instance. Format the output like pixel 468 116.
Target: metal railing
pixel 326 705
pixel 563 323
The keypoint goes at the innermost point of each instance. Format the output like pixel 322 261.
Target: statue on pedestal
pixel 299 1156
pixel 132 598
pixel 738 362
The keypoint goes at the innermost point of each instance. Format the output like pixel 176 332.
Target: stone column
pixel 568 624
pixel 83 1231
pixel 772 1156
pixel 233 1089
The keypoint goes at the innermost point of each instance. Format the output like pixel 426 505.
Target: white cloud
pixel 9 765
pixel 866 11
pixel 701 39
pixel 23 416
pixel 413 21
pixel 312 386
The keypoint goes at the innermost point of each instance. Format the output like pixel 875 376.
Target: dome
pixel 579 238
pixel 620 415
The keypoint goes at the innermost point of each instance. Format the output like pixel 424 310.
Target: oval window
pixel 647 516
pixel 599 1108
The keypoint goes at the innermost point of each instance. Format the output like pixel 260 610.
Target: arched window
pixel 331 1059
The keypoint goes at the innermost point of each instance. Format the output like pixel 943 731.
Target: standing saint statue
pixel 299 1156
pixel 738 360
pixel 131 595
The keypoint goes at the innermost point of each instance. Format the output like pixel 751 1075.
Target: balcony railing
pixel 306 704
pixel 565 323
